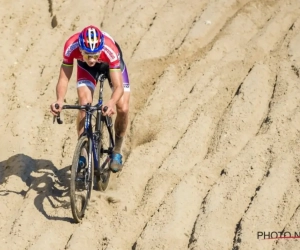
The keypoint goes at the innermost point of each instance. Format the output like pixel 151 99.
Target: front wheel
pixel 105 148
pixel 81 178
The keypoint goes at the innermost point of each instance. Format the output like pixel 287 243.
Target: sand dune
pixel 212 152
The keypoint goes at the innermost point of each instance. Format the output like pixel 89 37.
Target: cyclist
pixel 96 52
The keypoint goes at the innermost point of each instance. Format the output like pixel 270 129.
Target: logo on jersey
pixel 110 54
pixel 71 48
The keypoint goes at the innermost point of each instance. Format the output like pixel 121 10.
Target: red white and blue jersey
pixel 109 54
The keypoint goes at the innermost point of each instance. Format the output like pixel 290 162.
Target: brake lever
pixel 57 118
pixel 107 118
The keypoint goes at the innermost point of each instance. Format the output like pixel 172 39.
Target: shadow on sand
pixel 41 176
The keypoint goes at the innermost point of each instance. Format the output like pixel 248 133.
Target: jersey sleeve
pixel 69 51
pixel 113 55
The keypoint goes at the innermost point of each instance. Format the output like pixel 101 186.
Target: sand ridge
pixel 212 151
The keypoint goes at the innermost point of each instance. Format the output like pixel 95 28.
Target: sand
pixel 212 152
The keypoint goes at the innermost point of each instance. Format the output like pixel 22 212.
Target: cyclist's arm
pixel 63 80
pixel 117 83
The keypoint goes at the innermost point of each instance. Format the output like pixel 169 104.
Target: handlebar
pixel 86 107
pixel 101 78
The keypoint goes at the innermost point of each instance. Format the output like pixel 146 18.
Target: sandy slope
pixel 213 148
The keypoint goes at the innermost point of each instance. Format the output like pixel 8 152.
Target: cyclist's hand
pixel 108 109
pixel 54 109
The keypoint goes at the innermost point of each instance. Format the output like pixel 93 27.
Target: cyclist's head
pixel 91 39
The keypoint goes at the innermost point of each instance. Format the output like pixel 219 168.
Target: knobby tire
pixel 84 186
pixel 102 180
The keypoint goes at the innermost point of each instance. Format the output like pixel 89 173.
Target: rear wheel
pixel 105 143
pixel 81 178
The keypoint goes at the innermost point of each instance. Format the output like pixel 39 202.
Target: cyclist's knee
pixel 123 103
pixel 85 98
pixel 123 109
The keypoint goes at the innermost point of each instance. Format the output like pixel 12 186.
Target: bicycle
pixel 92 154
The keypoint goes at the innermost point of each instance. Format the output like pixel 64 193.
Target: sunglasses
pixel 90 55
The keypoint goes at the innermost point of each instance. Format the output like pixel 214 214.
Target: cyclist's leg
pixel 86 83
pixel 121 121
pixel 122 118
pixel 85 95
pixel 123 104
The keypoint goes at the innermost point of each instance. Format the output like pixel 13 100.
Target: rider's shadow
pixel 41 180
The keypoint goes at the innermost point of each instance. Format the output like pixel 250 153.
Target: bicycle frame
pixel 108 123
pixel 94 137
